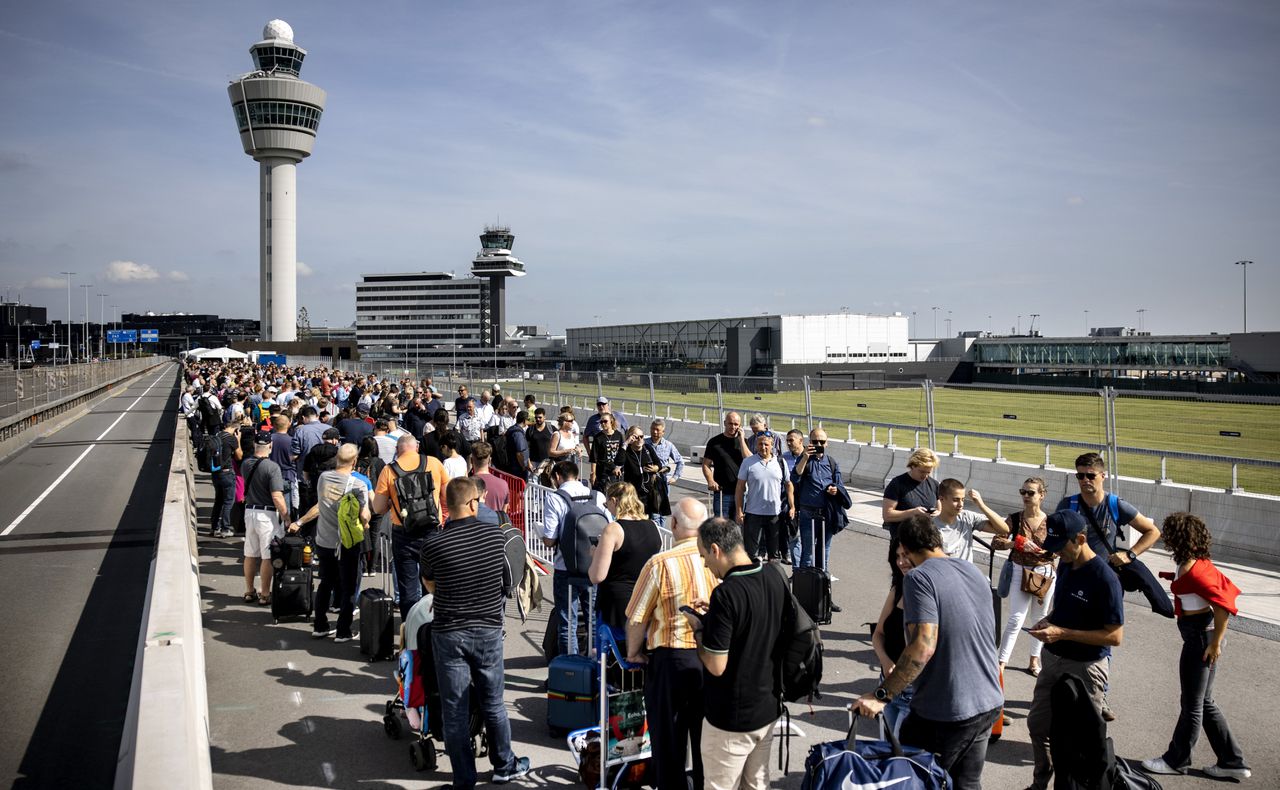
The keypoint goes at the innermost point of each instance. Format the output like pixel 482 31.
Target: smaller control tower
pixel 496 262
pixel 278 115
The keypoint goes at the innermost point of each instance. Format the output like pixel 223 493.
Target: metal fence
pixel 534 506
pixel 25 390
pixel 1219 441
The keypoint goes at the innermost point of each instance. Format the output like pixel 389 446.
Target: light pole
pixel 935 323
pixel 1086 323
pixel 1244 269
pixel 988 325
pixel 55 356
pixel 85 338
pixel 948 323
pixel 1019 326
pixel 1141 310
pixel 102 326
pixel 915 326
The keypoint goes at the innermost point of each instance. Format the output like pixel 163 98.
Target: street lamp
pixel 1141 310
pixel 84 339
pixel 55 355
pixel 102 326
pixel 935 323
pixel 948 323
pixel 1086 323
pixel 1244 269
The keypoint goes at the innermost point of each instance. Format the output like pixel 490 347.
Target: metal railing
pixel 29 388
pixel 535 497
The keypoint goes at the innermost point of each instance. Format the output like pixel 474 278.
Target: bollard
pixel 686 413
pixel 1048 462
pixel 1235 479
pixel 1164 472
pixel 849 438
pixel 890 442
pixel 999 453
pixel 955 444
pixel 873 434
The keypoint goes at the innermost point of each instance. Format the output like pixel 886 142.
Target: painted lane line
pixel 23 515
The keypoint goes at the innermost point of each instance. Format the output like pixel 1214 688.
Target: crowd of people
pixel 706 615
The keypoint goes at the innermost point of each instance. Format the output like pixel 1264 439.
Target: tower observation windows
pixel 281 60
pixel 277 113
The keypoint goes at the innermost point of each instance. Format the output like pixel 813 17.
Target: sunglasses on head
pixel 1086 475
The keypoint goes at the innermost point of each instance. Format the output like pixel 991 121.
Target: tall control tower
pixel 496 262
pixel 278 115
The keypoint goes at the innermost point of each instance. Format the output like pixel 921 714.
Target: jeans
pixel 566 603
pixel 339 572
pixel 960 746
pixel 760 534
pixel 656 518
pixel 724 504
pixel 808 525
pixel 290 500
pixel 1198 707
pixel 224 498
pixel 404 555
pixel 898 708
pixel 673 701
pixel 470 659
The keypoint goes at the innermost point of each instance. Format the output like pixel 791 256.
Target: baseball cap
pixel 262 439
pixel 602 400
pixel 1062 528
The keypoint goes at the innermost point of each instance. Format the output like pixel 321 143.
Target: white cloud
pixel 47 282
pixel 130 272
pixel 1075 200
pixel 178 277
pixel 304 270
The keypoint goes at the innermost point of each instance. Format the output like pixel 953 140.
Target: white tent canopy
pixel 223 353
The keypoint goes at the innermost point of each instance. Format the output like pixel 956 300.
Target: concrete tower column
pixel 281 264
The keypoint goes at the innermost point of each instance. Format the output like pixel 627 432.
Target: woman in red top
pixel 1204 599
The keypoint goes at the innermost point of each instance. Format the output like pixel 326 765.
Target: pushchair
pixel 418 699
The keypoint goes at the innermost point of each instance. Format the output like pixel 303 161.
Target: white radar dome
pixel 278 28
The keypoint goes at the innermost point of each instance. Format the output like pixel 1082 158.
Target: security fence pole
pixel 599 385
pixel 1113 441
pixel 653 399
pixel 559 398
pixel 719 398
pixel 808 405
pixel 928 411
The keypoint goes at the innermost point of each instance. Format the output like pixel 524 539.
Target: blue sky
pixel 665 160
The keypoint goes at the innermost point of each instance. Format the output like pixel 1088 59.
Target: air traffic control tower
pixel 277 115
pixel 496 262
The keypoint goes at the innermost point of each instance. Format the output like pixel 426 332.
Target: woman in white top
pixel 565 444
pixel 454 464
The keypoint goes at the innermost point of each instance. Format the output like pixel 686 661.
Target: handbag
pixel 1134 575
pixel 1036 584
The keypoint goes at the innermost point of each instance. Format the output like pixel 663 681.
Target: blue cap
pixel 1062 528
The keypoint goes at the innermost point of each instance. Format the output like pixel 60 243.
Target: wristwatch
pixel 881 695
pixel 1130 554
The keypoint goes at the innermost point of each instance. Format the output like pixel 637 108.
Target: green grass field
pixel 1169 425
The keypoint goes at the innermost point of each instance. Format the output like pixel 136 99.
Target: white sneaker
pixel 1218 772
pixel 1157 765
pixel 834 578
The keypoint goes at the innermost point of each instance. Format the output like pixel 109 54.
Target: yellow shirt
pixel 670 579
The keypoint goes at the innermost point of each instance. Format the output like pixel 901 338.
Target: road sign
pixel 149 335
pixel 122 336
pixel 55 345
pixel 35 344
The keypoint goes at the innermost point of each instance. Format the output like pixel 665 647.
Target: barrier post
pixel 808 405
pixel 653 400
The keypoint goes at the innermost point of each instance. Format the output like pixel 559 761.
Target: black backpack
pixel 799 653
pixel 210 415
pixel 415 494
pixel 214 449
pixel 498 441
pixel 580 531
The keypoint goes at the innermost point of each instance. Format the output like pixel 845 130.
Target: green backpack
pixel 350 528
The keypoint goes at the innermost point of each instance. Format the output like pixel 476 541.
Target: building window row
pixel 425 285
pixel 279 59
pixel 278 113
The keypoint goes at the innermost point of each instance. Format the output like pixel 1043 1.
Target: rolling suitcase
pixel 812 585
pixel 573 680
pixel 291 591
pixel 997 605
pixel 378 613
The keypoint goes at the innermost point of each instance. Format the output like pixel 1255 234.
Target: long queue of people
pixel 707 614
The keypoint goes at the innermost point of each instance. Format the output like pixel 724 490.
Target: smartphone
pixel 691 610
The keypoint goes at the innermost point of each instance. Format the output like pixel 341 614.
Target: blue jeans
pixel 898 708
pixel 658 519
pixel 723 504
pixel 565 603
pixel 807 527
pixel 224 498
pixel 404 558
pixel 466 658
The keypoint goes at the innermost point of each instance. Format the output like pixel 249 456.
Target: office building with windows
pixel 422 315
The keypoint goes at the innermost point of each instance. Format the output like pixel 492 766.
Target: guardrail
pixel 166 734
pixel 38 395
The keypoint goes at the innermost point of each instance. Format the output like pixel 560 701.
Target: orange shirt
pixel 386 484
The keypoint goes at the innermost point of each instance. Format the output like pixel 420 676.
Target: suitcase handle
pixel 852 736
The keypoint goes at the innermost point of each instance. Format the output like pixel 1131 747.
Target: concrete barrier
pixel 165 743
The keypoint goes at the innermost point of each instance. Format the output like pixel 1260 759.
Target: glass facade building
pixel 1090 355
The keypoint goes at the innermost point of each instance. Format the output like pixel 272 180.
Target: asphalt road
pixel 287 710
pixel 74 571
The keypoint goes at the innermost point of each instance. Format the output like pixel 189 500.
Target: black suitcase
pixel 378 615
pixel 812 585
pixel 287 551
pixel 291 593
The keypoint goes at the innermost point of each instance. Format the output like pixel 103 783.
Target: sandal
pixel 263 600
pixel 1034 669
pixel 250 597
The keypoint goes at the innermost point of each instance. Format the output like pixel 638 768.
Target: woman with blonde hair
pixel 913 491
pixel 1203 601
pixel 625 546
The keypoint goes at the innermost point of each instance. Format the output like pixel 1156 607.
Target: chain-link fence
pixel 25 390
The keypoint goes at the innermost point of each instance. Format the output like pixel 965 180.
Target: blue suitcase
pixel 573 681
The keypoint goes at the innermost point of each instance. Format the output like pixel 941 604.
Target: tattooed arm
pixel 923 642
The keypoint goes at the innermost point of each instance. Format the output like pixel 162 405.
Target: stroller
pixel 418 698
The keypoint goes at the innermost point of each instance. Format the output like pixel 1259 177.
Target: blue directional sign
pixel 149 335
pixel 35 344
pixel 122 336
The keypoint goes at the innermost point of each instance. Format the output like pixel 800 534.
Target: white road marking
pixel 23 515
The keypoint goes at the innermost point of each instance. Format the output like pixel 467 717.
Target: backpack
pixel 350 528
pixel 211 415
pixel 1113 507
pixel 799 653
pixel 498 441
pixel 580 531
pixel 415 495
pixel 214 451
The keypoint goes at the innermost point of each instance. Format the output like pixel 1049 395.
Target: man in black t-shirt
pixel 738 646
pixel 539 435
pixel 227 444
pixel 725 452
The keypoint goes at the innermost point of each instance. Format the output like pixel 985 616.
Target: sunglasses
pixel 819 441
pixel 1027 492
pixel 1086 475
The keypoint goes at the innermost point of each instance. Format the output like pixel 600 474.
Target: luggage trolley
pixel 624 749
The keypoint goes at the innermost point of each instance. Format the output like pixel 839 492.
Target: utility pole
pixel 935 323
pixel 102 326
pixel 85 338
pixel 55 353
pixel 1244 269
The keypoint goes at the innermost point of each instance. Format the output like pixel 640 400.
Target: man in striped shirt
pixel 462 566
pixel 673 685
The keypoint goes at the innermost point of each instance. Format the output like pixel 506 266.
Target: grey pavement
pixel 289 710
pixel 74 571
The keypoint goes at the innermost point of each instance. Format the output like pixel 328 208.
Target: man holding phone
pixel 724 453
pixel 814 478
